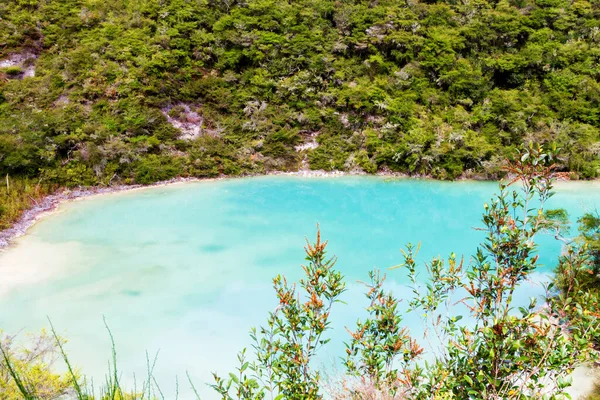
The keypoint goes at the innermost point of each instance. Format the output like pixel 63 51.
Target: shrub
pixel 154 168
pixel 27 372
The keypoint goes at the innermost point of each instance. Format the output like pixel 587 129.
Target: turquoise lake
pixel 186 269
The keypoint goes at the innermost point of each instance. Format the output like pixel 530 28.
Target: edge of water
pixel 49 204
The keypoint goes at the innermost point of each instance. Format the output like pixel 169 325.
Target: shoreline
pixel 50 203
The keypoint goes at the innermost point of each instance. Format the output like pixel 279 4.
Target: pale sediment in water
pixel 49 203
pixel 20 267
pixel 186 269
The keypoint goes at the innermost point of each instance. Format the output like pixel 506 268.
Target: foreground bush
pixel 504 351
pixel 27 372
pixel 578 277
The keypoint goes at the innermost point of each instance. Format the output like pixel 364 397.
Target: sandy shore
pixel 51 202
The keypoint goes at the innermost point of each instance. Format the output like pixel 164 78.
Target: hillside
pixel 115 91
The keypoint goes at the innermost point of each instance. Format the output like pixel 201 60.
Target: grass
pixel 18 195
pixel 27 373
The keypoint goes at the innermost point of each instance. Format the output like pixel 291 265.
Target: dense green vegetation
pixel 429 87
pixel 95 92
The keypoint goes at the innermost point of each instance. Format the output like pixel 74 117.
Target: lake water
pixel 186 269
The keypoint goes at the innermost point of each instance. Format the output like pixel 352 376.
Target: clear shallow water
pixel 186 269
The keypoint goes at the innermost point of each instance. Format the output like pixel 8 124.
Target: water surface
pixel 186 269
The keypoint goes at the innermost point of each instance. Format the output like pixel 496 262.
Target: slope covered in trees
pixel 104 91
